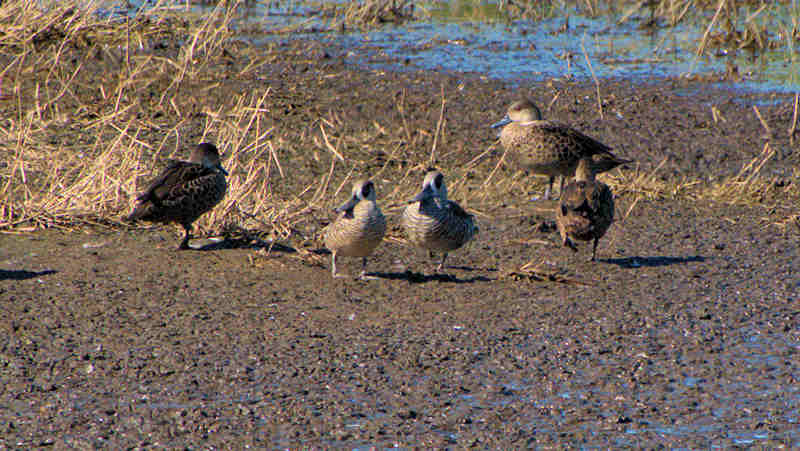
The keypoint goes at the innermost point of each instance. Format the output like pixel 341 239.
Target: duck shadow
pixel 242 243
pixel 21 274
pixel 419 278
pixel 638 262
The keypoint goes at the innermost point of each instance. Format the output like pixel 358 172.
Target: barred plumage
pixel 550 148
pixel 184 191
pixel 435 223
pixel 358 229
pixel 586 210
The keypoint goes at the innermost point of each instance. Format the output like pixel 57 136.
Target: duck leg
pixel 334 274
pixel 568 243
pixel 363 275
pixel 186 236
pixel 441 265
pixel 549 188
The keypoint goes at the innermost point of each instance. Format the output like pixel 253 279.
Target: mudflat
pixel 684 333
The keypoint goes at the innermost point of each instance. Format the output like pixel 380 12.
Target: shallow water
pixel 470 36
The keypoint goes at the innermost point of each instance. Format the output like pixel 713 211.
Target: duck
pixel 432 222
pixel 550 148
pixel 586 209
pixel 358 228
pixel 184 191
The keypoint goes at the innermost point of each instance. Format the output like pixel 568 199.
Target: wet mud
pixel 684 333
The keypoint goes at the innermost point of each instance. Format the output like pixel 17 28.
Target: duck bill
pixel 347 205
pixel 504 121
pixel 425 194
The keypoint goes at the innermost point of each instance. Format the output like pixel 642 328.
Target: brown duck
pixel 550 148
pixel 586 210
pixel 184 191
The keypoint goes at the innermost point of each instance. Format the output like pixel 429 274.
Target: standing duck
pixel 550 148
pixel 358 229
pixel 433 222
pixel 184 191
pixel 586 210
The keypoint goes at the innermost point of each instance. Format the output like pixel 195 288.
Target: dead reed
pixel 750 186
pixel 731 24
pixel 93 106
pixel 369 13
pixel 113 99
pixel 75 123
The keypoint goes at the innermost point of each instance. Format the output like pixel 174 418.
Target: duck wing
pixel 175 178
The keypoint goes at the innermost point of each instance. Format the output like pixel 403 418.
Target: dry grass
pixel 49 181
pixel 91 113
pixel 750 186
pixel 320 17
pixel 369 13
pixel 78 145
pixel 542 271
pixel 750 24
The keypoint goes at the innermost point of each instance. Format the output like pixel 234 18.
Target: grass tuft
pixel 94 105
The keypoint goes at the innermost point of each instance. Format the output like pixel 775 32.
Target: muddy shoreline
pixel 684 334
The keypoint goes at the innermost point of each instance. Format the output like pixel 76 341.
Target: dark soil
pixel 684 334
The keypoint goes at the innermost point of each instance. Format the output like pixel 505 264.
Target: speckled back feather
pixel 436 223
pixel 550 148
pixel 181 193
